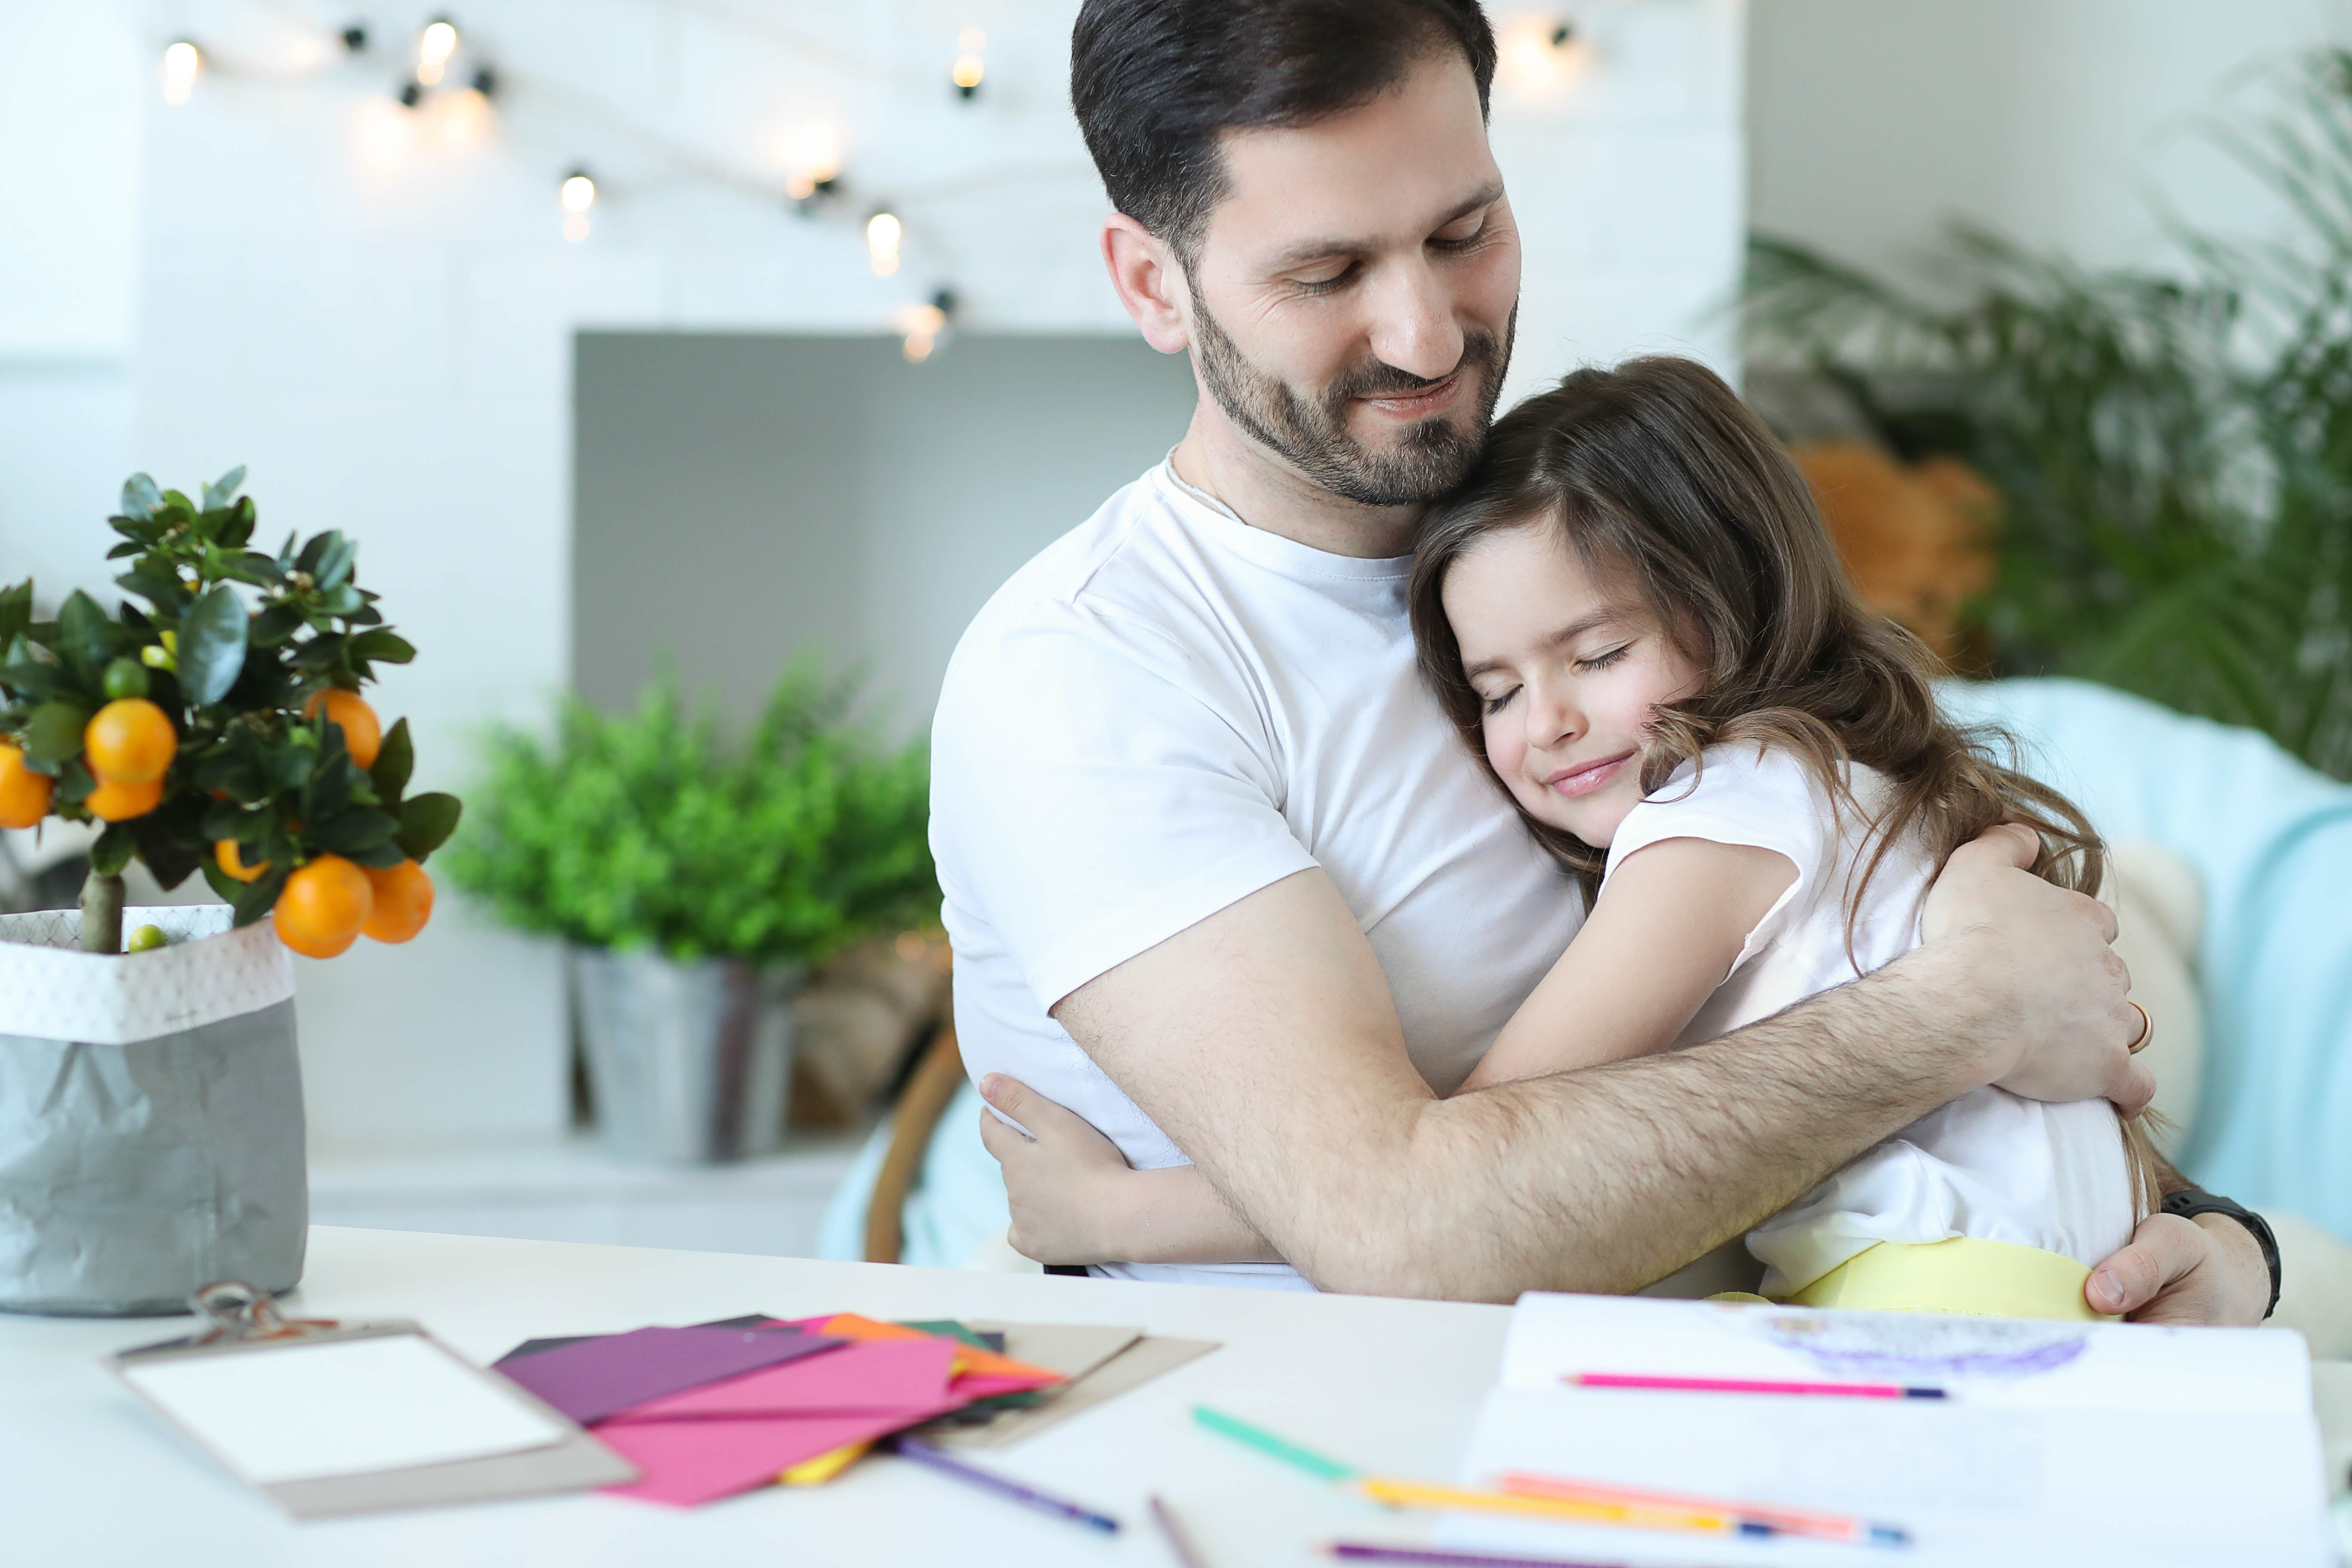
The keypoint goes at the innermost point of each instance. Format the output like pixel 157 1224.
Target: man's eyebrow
pixel 1567 634
pixel 1311 250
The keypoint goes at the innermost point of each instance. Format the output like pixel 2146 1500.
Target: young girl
pixel 1633 615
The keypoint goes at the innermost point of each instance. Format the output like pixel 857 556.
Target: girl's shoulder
pixel 1762 795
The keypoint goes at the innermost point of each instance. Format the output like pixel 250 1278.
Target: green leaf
pixel 88 638
pixel 218 493
pixel 212 645
pixel 335 562
pixel 275 624
pixel 170 838
pixel 351 833
pixel 383 646
pixel 226 888
pixel 16 612
pixel 43 680
pixel 383 857
pixel 395 761
pixel 111 853
pixel 426 821
pixel 140 499
pixel 256 897
pixel 52 736
pixel 159 586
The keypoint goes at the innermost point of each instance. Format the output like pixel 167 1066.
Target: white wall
pixel 2070 125
pixel 375 310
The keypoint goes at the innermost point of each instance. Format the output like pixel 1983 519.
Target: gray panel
pixel 739 496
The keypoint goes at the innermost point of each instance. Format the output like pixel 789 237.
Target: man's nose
pixel 1413 327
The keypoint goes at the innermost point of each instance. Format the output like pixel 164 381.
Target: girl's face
pixel 1568 669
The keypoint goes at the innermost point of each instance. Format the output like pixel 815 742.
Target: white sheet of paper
pixel 2059 1444
pixel 342 1407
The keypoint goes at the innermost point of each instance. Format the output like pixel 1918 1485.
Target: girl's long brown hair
pixel 1657 475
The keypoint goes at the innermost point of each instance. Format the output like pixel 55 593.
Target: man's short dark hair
pixel 1155 82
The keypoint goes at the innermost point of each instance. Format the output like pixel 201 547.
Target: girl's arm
pixel 1663 935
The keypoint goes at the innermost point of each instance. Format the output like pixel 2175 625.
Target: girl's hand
pixel 1064 1183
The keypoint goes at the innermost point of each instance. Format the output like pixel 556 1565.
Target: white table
pixel 88 1478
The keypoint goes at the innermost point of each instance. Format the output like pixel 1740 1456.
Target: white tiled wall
pixel 378 318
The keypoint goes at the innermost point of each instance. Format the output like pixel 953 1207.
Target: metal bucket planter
pixel 688 1062
pixel 151 1116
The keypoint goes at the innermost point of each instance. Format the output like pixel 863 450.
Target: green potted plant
pixel 150 1111
pixel 695 877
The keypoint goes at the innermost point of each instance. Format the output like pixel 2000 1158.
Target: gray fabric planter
pixel 689 1063
pixel 151 1116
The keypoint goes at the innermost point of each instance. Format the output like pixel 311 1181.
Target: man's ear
pixel 1150 281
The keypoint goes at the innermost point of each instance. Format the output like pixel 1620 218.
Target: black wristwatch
pixel 2190 1201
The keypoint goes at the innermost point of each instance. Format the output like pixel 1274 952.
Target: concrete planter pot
pixel 151 1116
pixel 688 1062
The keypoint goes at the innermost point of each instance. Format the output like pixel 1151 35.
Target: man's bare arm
pixel 1263 1041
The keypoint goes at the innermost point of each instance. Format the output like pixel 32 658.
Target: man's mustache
pixel 1378 378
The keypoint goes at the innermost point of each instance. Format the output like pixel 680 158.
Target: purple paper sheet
pixel 600 1377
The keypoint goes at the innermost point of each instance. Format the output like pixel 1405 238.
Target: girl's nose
pixel 1551 721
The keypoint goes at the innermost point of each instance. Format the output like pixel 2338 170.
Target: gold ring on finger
pixel 2147 1027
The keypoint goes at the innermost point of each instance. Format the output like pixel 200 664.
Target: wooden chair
pixel 933 1084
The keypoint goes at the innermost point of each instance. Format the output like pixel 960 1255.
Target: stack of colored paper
pixel 719 1408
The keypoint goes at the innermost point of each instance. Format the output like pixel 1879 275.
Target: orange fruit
pixel 403 902
pixel 362 733
pixel 130 742
pixel 323 907
pixel 24 794
pixel 232 864
pixel 114 801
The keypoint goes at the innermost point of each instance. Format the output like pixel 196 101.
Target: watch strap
pixel 2190 1201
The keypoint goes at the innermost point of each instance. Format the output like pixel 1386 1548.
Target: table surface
pixel 89 1476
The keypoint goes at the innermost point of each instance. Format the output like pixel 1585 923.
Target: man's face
pixel 1353 295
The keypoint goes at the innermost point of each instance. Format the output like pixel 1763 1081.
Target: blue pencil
pixel 923 1453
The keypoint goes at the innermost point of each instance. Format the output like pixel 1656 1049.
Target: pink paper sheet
pixel 685 1463
pixel 877 1375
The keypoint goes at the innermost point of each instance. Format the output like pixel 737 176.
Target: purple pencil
pixel 1370 1552
pixel 924 1454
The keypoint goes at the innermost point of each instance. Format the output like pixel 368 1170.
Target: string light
pixel 970 66
pixel 181 61
pixel 812 159
pixel 1538 55
pixel 923 325
pixel 433 48
pixel 576 195
pixel 883 233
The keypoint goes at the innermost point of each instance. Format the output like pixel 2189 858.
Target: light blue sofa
pixel 2272 841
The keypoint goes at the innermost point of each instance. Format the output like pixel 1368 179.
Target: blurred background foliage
pixel 659 829
pixel 2171 450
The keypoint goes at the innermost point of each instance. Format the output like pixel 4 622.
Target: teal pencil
pixel 1266 1443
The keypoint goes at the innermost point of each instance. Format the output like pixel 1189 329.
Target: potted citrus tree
pixel 151 1114
pixel 694 877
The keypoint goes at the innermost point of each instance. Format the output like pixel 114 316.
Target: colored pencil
pixel 923 1454
pixel 1372 1551
pixel 1807 1522
pixel 1179 1541
pixel 1266 1443
pixel 1423 1494
pixel 1749 1385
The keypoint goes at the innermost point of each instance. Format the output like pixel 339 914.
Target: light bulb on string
pixel 811 154
pixel 971 64
pixel 920 327
pixel 181 62
pixel 883 233
pixel 576 195
pixel 1540 55
pixel 433 48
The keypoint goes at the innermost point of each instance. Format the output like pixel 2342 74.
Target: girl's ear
pixel 1149 281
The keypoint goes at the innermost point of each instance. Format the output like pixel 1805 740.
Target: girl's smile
pixel 1568 669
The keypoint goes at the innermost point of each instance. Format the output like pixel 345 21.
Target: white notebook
pixel 2056 1443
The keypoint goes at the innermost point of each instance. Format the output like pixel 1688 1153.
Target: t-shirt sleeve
pixel 1094 792
pixel 1766 800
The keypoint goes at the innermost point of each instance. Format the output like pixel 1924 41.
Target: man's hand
pixel 2175 1271
pixel 1061 1183
pixel 2032 976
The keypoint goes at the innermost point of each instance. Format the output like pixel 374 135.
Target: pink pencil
pixel 1746 1385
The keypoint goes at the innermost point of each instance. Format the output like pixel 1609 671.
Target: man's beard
pixel 1431 459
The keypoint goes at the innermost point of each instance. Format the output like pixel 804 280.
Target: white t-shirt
pixel 1989 1164
pixel 1167 710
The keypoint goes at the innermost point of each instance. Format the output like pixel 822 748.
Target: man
pixel 1219 875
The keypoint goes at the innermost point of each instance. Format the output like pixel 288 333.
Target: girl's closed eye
pixel 1603 660
pixel 1501 700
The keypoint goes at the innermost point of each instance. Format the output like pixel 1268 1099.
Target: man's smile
pixel 1416 405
